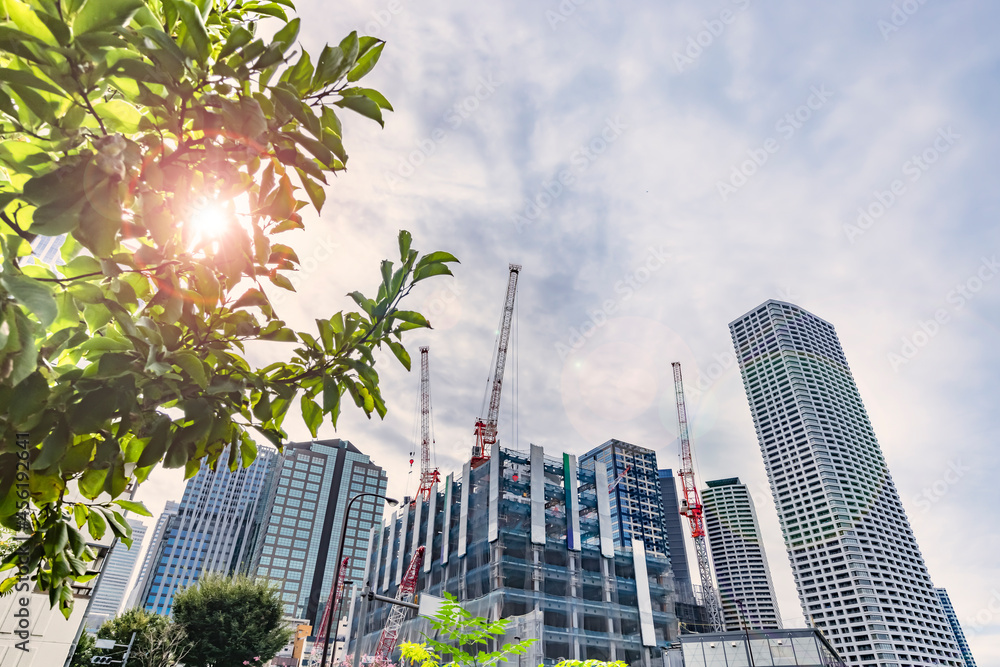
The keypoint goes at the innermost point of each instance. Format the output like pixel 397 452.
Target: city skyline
pixel 640 258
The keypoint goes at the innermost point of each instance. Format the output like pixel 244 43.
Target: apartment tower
pixel 741 571
pixel 857 567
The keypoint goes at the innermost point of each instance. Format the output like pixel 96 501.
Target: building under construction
pixel 527 537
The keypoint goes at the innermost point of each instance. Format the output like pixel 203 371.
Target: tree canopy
pixel 170 151
pixel 229 620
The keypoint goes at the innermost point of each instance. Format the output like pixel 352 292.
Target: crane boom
pixel 428 476
pixel 332 605
pixel 390 633
pixel 486 427
pixel 692 509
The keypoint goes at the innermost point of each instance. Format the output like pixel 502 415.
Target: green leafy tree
pixel 459 639
pixel 159 642
pixel 84 651
pixel 172 150
pixel 229 620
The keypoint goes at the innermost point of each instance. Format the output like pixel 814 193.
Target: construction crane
pixel 390 633
pixel 691 508
pixel 486 427
pixel 332 605
pixel 428 476
pixel 619 478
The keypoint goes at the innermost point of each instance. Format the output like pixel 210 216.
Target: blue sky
pixel 660 169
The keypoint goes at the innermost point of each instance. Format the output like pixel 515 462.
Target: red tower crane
pixel 486 427
pixel 428 476
pixel 332 605
pixel 390 633
pixel 691 508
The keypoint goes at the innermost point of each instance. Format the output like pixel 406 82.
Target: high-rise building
pixel 527 537
pixel 956 627
pixel 858 570
pixel 303 518
pixel 636 504
pixel 211 530
pixel 152 554
pixel 741 571
pixel 117 573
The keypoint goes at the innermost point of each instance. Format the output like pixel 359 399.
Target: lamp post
pixel 336 574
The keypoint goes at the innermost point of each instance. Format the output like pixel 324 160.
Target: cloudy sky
pixel 659 169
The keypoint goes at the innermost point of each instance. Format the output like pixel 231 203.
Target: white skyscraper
pixel 741 570
pixel 117 573
pixel 857 567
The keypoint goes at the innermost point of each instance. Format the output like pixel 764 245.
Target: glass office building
pixel 857 566
pixel 117 573
pixel 528 537
pixel 210 531
pixel 300 523
pixel 636 504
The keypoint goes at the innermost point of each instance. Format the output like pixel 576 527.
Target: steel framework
pixel 332 604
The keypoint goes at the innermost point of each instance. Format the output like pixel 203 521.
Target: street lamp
pixel 336 574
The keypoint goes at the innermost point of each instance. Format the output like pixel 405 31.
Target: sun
pixel 210 218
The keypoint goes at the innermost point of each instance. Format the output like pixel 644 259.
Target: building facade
pixel 299 530
pixel 118 570
pixel 692 616
pixel 956 627
pixel 527 537
pixel 858 569
pixel 741 571
pixel 636 503
pixel 151 555
pixel 210 531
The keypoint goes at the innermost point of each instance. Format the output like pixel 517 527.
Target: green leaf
pixel 193 366
pixel 119 115
pixel 91 484
pixel 311 414
pixel 33 295
pixel 27 20
pixel 195 26
pixel 401 353
pixel 286 36
pixel 99 14
pixel 405 238
pixel 366 63
pixel 364 106
pixel 28 398
pixel 133 506
pixel 92 411
pixel 412 317
pixel 429 270
pixel 27 79
pixel 238 37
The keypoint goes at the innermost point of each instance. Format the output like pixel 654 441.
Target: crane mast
pixel 486 427
pixel 692 509
pixel 390 633
pixel 428 476
pixel 332 605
